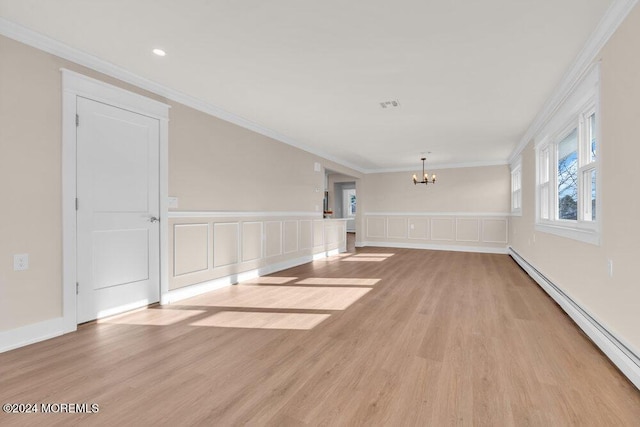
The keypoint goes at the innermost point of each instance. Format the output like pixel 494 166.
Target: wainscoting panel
pixel 467 230
pixel 443 229
pixel 456 231
pixel 495 230
pixel 419 228
pixel 318 233
pixel 375 227
pixel 251 241
pixel 290 236
pixel 191 248
pixel 225 243
pixel 397 228
pixel 212 249
pixel 273 234
pixel 306 234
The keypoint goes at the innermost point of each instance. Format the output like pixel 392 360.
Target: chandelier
pixel 425 176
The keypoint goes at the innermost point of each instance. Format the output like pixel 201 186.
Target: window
pixel 567 168
pixel 544 177
pixel 350 202
pixel 568 176
pixel 516 188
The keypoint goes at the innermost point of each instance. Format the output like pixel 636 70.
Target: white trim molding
pixel 29 334
pixel 614 348
pixel 244 214
pixel 585 235
pixel 608 25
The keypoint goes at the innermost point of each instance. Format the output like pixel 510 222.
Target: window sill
pixel 590 236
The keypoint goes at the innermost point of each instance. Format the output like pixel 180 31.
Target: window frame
pixel 516 187
pixel 576 114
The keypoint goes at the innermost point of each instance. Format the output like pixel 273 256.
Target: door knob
pixel 154 219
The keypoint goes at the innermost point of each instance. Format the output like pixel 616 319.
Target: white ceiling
pixel 470 75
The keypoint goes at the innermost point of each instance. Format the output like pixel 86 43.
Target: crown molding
pixel 39 41
pixel 607 26
pixel 438 166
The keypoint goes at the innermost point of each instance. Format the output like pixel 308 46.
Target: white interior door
pixel 118 265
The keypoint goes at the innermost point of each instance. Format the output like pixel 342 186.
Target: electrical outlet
pixel 20 262
pixel 173 202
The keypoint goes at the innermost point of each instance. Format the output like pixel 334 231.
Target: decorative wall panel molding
pixel 219 247
pixel 443 229
pixel 273 238
pixel 290 236
pixel 190 248
pixel 306 234
pixel 251 241
pixel 495 230
pixel 467 230
pixel 318 233
pixel 225 243
pixel 376 227
pixel 397 227
pixel 485 232
pixel 418 228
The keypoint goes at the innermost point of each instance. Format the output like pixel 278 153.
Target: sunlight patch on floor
pixel 269 280
pixel 332 281
pixel 152 317
pixel 280 297
pixel 331 258
pixel 260 320
pixel 363 259
pixel 374 254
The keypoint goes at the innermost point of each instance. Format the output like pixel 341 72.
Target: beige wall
pixel 476 189
pixel 213 165
pixel 30 128
pixel 580 269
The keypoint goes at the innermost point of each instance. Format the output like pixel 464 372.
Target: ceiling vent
pixel 390 104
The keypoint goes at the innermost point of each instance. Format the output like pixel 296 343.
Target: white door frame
pixel 74 85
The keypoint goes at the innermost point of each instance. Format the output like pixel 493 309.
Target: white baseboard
pixel 435 247
pixel 29 334
pixel 612 347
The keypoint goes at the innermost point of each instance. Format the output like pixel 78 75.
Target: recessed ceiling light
pixel 159 52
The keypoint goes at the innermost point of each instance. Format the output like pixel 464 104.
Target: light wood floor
pixel 396 337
